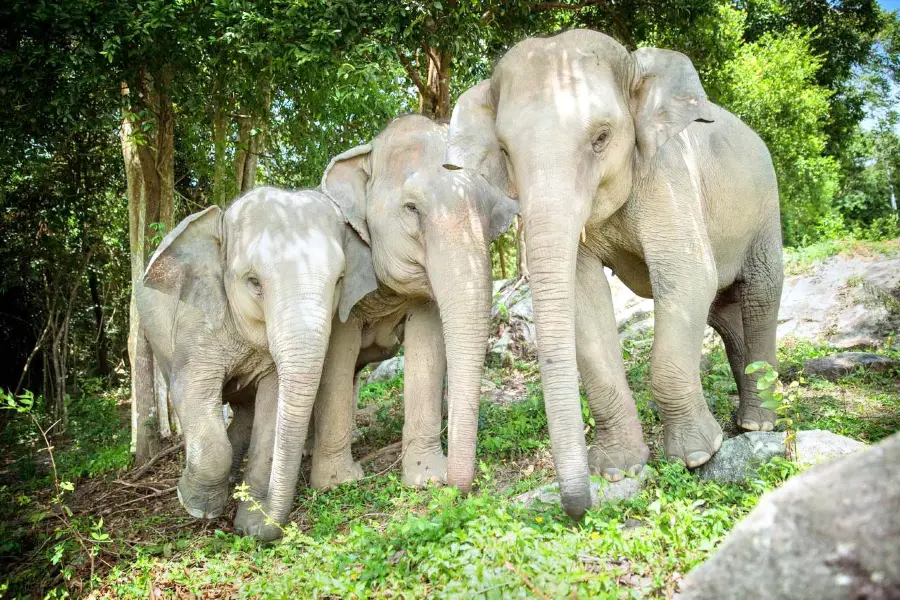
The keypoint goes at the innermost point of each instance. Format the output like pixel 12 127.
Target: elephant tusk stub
pixel 583 235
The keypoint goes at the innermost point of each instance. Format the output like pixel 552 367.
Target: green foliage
pixel 771 86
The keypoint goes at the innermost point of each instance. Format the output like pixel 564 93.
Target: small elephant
pixel 241 303
pixel 429 227
pixel 618 159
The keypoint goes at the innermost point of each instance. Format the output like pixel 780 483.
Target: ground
pixel 377 538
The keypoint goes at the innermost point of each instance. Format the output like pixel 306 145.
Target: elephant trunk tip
pixel 461 481
pixel 577 504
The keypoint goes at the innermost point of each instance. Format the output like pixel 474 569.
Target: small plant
pixel 781 400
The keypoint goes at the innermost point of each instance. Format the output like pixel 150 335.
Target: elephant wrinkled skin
pixel 240 304
pixel 619 159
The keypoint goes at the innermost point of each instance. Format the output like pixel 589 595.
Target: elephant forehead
pixel 309 247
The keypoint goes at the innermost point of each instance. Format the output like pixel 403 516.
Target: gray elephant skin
pixel 239 303
pixel 429 226
pixel 619 159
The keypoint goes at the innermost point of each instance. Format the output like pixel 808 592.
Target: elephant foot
pixel 617 453
pixel 420 468
pixel 693 441
pixel 251 520
pixel 755 418
pixel 332 472
pixel 200 501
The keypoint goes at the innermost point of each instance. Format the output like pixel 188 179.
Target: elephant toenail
pixel 613 475
pixel 695 459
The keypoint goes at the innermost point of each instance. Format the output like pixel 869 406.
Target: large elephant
pixel 429 227
pixel 619 159
pixel 241 302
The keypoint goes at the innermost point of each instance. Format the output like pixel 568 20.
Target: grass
pixel 802 259
pixel 378 538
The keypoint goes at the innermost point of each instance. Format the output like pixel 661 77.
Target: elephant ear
pixel 359 273
pixel 667 97
pixel 188 264
pixel 472 141
pixel 345 181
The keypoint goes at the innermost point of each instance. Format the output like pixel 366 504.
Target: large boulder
pixel 387 370
pixel 845 302
pixel 832 532
pixel 739 457
pixel 846 363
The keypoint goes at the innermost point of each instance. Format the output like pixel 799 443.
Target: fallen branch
pixel 140 471
pixel 137 485
pixel 141 499
pixel 526 581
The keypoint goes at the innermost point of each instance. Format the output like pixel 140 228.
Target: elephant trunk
pixel 552 235
pixel 299 327
pixel 460 276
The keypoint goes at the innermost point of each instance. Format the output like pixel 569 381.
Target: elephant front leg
pixel 335 410
pixel 682 295
pixel 240 429
pixel 197 395
pixel 618 446
pixel 426 363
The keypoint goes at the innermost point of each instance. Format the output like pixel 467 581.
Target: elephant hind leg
pixel 240 429
pixel 726 318
pixel 760 293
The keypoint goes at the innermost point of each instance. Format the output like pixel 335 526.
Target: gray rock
pixel 387 370
pixel 499 351
pixel 829 533
pixel 740 457
pixel 846 302
pixel 601 491
pixel 846 363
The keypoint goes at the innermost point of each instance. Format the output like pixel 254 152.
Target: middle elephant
pixel 429 226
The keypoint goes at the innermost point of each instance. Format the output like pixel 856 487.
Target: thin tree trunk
pixel 100 343
pixel 251 142
pixel 502 257
pixel 434 91
pixel 522 262
pixel 162 402
pixel 221 190
pixel 142 185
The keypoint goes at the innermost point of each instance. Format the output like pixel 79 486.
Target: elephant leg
pixel 240 429
pixel 683 292
pixel 618 439
pixel 197 395
pixel 725 317
pixel 426 363
pixel 335 410
pixel 259 455
pixel 763 275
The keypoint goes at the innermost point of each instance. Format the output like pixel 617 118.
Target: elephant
pixel 239 303
pixel 618 159
pixel 429 226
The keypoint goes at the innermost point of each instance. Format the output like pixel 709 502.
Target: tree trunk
pixel 502 257
pixel 222 190
pixel 521 264
pixel 149 171
pixel 434 91
pixel 251 142
pixel 100 343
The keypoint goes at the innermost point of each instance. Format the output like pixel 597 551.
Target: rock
pixel 846 302
pixel 601 491
pixel 499 351
pixel 846 363
pixel 828 533
pixel 387 370
pixel 739 457
pixel 366 416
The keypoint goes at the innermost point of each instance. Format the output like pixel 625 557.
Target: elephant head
pixel 268 274
pixel 430 226
pixel 571 124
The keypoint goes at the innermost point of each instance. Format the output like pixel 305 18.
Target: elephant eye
pixel 254 285
pixel 504 151
pixel 412 208
pixel 601 140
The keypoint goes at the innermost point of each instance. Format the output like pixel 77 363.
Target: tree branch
pixel 423 89
pixel 540 6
